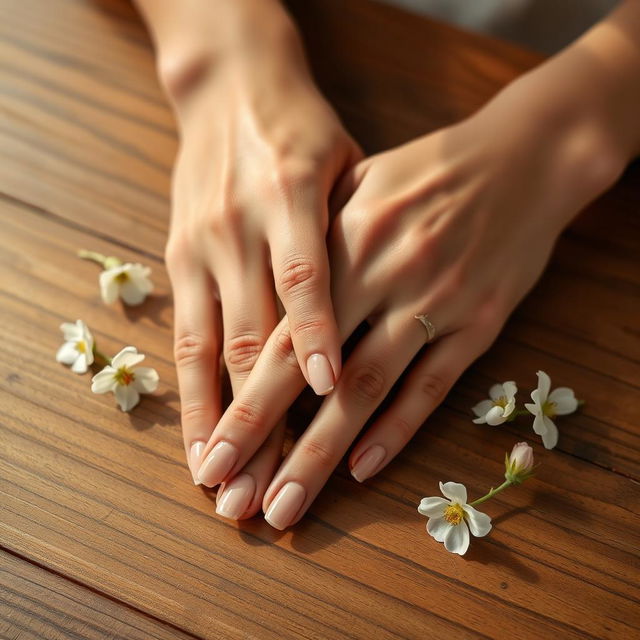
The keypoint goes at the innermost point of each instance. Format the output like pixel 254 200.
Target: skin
pixel 465 218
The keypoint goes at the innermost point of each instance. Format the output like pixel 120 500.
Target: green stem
pixel 92 255
pixel 491 493
pixel 100 356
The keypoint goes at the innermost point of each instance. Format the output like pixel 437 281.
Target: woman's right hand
pixel 260 151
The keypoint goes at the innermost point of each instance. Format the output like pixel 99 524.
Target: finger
pixel 249 315
pixel 424 388
pixel 241 496
pixel 197 343
pixel 273 384
pixel 301 273
pixel 378 361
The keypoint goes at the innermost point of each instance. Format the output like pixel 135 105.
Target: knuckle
pixel 433 387
pixel 177 249
pixel 246 416
pixel 191 348
pixel 402 427
pixel 367 382
pixel 298 276
pixel 319 454
pixel 223 217
pixel 309 325
pixel 242 351
pixel 194 413
pixel 283 347
pixel 290 174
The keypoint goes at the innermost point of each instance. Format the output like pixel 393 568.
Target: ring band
pixel 428 325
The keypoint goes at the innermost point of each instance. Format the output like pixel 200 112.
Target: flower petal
pixel 550 435
pixel 104 381
pixel 539 425
pixel 109 285
pixel 432 507
pixel 127 396
pixel 455 491
pixel 456 539
pixel 80 365
pixel 510 389
pixel 496 392
pixel 564 399
pixel 533 407
pixel 479 523
pixel 482 408
pixel 131 293
pixel 146 380
pixel 67 353
pixel 495 416
pixel 544 384
pixel 127 357
pixel 71 331
pixel 438 527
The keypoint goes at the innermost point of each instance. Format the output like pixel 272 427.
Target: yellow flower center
pixel 81 346
pixel 454 514
pixel 501 402
pixel 549 409
pixel 124 376
pixel 121 278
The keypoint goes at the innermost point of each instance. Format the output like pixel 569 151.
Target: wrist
pixel 566 141
pixel 197 40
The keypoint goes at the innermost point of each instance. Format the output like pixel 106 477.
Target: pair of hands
pixel 273 203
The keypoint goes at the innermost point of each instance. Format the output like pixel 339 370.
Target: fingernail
pixel 194 459
pixel 320 374
pixel 236 497
pixel 285 505
pixel 368 463
pixel 218 464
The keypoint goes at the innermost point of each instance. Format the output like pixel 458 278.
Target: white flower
pixel 451 518
pixel 129 281
pixel 500 407
pixel 125 379
pixel 545 406
pixel 77 349
pixel 519 465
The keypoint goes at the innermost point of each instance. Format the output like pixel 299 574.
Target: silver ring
pixel 428 325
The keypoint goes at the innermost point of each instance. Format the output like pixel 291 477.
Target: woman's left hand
pixel 457 225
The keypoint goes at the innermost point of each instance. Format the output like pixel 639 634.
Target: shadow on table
pixel 152 308
pixel 154 410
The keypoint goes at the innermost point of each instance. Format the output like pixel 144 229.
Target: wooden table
pixel 104 536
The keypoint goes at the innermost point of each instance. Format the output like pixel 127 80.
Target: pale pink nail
pixel 285 505
pixel 195 452
pixel 218 464
pixel 236 497
pixel 320 374
pixel 368 463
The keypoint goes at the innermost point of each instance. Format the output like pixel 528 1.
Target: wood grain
pixel 104 534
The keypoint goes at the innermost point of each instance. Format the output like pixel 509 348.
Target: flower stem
pixel 517 413
pixel 502 487
pixel 101 356
pixel 92 255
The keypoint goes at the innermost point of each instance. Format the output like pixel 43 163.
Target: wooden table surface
pixel 103 534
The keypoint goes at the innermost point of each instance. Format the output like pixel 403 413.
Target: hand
pixel 458 225
pixel 260 151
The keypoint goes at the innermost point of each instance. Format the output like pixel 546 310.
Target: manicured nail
pixel 285 505
pixel 320 374
pixel 368 463
pixel 194 459
pixel 236 497
pixel 218 464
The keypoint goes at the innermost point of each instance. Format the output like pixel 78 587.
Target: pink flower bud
pixel 519 465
